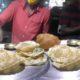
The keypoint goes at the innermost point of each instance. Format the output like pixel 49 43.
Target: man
pixel 29 19
pixel 70 20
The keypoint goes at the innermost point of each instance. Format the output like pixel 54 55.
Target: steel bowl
pixel 9 46
pixel 72 42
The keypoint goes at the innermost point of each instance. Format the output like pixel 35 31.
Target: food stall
pixel 46 58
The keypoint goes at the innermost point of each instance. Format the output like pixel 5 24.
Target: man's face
pixel 33 2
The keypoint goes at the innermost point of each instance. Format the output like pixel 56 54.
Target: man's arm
pixel 65 30
pixel 46 22
pixel 8 13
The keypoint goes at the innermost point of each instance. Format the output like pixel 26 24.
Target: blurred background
pixel 4 4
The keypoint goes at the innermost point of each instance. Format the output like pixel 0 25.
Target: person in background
pixel 69 22
pixel 29 18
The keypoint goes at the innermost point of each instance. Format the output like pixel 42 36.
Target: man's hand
pixel 65 30
pixel 61 29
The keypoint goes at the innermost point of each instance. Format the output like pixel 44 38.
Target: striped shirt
pixel 70 16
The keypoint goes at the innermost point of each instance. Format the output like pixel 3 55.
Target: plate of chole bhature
pixel 27 53
pixel 64 57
